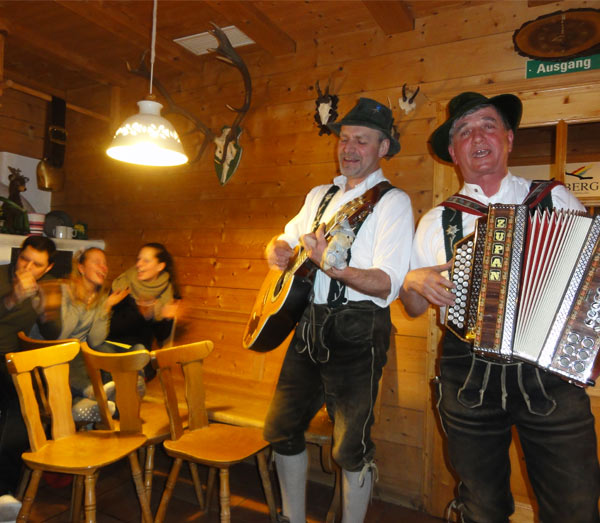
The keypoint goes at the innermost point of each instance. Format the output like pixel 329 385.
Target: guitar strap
pixel 337 290
pixel 323 205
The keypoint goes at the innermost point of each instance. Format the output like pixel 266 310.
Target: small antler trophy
pixel 228 151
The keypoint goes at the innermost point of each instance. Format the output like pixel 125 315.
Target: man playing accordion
pixel 480 399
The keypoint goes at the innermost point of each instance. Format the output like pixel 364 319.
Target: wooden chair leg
pixel 148 470
pixel 136 472
pixel 210 485
pixel 24 481
pixel 265 477
pixel 29 496
pixel 224 495
pixel 166 496
pixel 76 499
pixel 90 497
pixel 197 484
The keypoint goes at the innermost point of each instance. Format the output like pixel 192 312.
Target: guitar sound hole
pixel 278 286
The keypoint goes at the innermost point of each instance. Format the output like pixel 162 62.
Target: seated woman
pixel 85 308
pixel 147 313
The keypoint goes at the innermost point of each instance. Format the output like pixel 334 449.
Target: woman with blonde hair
pixel 85 310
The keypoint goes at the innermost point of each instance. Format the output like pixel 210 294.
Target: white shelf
pixel 8 241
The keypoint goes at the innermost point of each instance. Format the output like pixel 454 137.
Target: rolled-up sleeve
pixel 392 240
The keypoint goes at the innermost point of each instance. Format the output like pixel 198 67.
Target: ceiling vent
pixel 202 43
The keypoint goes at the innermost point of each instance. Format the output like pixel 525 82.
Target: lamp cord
pixel 153 43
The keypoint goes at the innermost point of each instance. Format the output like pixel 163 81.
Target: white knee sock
pixel 292 473
pixel 356 494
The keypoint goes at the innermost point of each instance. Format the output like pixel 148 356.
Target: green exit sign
pixel 536 68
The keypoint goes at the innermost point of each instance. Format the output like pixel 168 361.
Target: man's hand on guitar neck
pixel 278 254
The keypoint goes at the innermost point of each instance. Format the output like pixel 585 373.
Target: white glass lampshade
pixel 147 139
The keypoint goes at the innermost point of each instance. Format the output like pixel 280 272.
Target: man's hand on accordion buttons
pixel 429 283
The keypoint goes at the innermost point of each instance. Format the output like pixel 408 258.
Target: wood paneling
pixel 218 233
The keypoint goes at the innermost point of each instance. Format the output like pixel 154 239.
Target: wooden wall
pixel 218 234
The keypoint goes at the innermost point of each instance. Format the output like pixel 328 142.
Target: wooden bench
pixel 236 401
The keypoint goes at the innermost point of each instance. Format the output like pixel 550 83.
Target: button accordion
pixel 527 288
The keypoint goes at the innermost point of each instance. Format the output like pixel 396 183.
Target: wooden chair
pixel 212 444
pixel 68 451
pixel 154 420
pixel 27 343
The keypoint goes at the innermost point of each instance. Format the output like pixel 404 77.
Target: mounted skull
pixel 326 109
pixel 228 151
pixel 407 102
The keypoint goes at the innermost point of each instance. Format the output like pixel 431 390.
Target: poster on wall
pixel 33 199
pixel 583 179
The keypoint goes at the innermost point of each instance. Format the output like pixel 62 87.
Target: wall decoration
pixel 407 103
pixel 326 109
pixel 33 199
pixel 228 151
pixel 560 35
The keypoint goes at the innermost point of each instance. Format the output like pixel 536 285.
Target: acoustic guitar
pixel 284 295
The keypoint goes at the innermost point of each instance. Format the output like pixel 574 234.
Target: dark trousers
pixel 13 433
pixel 479 402
pixel 336 356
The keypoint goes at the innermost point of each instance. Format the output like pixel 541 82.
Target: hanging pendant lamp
pixel 147 138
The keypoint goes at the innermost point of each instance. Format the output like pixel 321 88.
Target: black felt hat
pixel 372 114
pixel 508 104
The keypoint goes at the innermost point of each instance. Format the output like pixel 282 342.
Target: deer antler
pixel 226 53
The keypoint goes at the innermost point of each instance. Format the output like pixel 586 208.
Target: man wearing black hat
pixel 339 348
pixel 479 400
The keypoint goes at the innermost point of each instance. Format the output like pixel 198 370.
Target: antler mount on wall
pixel 228 151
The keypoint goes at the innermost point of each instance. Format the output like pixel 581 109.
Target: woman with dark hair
pixel 148 312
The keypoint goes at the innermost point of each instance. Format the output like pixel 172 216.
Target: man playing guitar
pixel 339 347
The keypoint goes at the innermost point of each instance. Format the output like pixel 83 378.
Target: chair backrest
pixel 186 359
pixel 54 362
pixel 124 368
pixel 27 343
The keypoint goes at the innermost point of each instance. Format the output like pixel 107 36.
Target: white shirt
pixel 383 242
pixel 428 245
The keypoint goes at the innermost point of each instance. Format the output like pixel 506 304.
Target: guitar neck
pixel 354 211
pixel 302 256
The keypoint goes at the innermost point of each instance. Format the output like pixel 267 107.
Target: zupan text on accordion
pixel 527 288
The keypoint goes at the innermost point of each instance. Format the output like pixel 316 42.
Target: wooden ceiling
pixel 65 44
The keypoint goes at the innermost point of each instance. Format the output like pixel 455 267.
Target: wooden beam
pixel 534 3
pixel 2 42
pixel 107 16
pixel 393 16
pixel 560 157
pixel 9 84
pixel 255 24
pixel 67 57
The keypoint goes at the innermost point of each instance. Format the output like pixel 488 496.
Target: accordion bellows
pixel 528 289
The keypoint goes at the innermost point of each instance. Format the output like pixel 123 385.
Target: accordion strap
pixel 466 204
pixel 539 195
